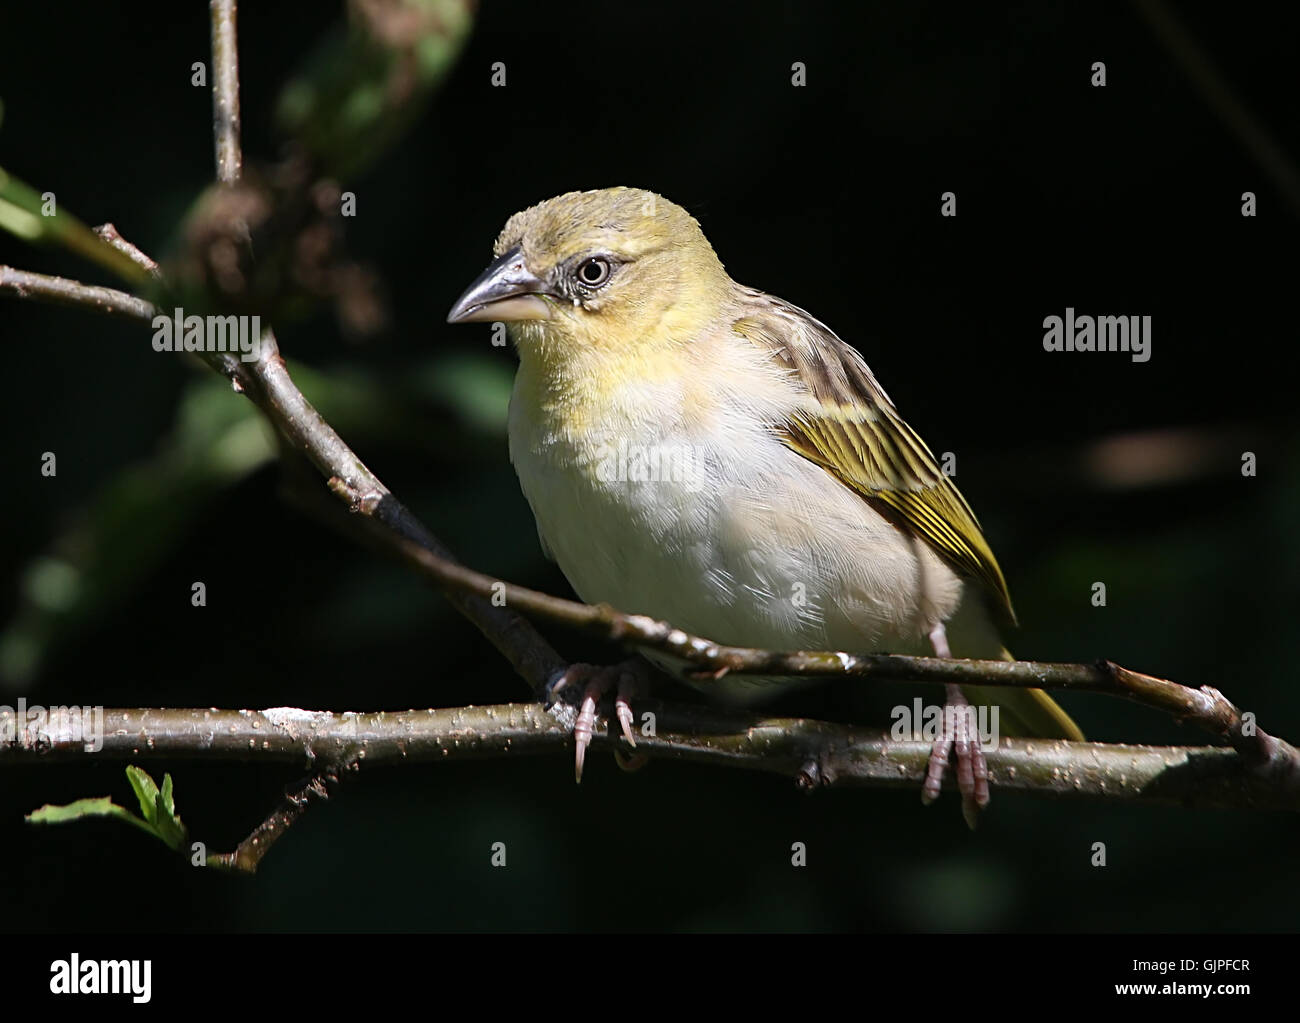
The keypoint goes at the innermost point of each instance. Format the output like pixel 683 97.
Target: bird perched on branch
pixel 705 453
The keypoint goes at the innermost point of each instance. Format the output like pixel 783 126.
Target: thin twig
pixel 114 238
pixel 61 291
pixel 225 91
pixel 248 855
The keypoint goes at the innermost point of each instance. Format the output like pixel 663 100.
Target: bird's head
pixel 618 270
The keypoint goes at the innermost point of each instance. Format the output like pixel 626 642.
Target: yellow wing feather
pixel 851 429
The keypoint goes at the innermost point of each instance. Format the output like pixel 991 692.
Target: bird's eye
pixel 593 272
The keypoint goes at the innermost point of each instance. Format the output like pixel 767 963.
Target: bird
pixel 711 455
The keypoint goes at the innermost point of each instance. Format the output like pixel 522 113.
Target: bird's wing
pixel 851 429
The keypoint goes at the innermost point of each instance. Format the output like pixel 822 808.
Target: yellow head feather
pixel 665 284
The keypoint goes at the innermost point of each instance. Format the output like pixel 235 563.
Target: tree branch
pixel 814 754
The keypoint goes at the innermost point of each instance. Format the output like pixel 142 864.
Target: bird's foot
pixel 958 735
pixel 628 679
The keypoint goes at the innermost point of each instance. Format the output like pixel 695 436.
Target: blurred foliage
pixel 1122 199
pixel 127 530
pixel 366 83
pixel 147 511
pixel 36 218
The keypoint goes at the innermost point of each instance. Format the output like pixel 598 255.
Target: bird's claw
pixel 627 680
pixel 972 768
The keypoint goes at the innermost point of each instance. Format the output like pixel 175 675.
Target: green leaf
pixel 159 809
pixel 169 804
pixel 98 806
pixel 165 822
pixel 146 790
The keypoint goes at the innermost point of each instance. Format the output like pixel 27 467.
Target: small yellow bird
pixel 705 453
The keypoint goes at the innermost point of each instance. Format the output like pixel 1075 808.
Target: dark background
pixel 1082 467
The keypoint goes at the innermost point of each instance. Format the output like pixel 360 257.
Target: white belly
pixel 745 543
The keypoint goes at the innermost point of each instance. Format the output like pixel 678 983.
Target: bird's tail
pixel 1029 713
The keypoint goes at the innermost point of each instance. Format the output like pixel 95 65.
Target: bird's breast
pixel 712 523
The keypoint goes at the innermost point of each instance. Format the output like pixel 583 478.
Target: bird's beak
pixel 505 291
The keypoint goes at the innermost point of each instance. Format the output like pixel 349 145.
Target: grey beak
pixel 505 291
